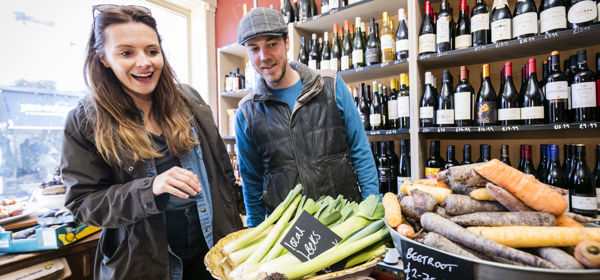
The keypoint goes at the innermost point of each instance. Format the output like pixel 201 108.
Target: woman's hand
pixel 178 182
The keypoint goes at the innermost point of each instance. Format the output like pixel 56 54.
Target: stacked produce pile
pixel 257 253
pixel 487 211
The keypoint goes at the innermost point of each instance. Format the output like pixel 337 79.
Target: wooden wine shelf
pixel 236 93
pixel 374 71
pixel 388 132
pixel 513 128
pixel 364 9
pixel 567 39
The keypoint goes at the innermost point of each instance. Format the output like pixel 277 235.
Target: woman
pixel 142 157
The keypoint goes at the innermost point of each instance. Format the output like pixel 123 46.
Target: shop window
pixel 41 79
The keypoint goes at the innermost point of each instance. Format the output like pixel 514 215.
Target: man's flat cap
pixel 260 22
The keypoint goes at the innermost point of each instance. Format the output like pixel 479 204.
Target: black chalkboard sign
pixel 423 263
pixel 308 238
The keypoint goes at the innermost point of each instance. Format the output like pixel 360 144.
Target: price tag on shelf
pixel 463 129
pixel 561 126
pixel 423 263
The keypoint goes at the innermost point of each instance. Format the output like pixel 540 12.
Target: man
pixel 297 126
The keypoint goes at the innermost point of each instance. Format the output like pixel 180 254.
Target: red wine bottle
pixel 462 39
pixel 480 24
pixel 509 111
pixel 525 19
pixel 557 92
pixel 532 104
pixel 435 162
pixel 582 13
pixel 486 105
pixel 444 28
pixel 428 102
pixel 501 25
pixel 484 153
pixel 554 174
pixel 583 90
pixel 463 100
pixel 450 157
pixel 582 187
pixel 445 105
pixel 553 16
pixel 427 32
pixel 526 164
pixel 466 155
pixel 504 155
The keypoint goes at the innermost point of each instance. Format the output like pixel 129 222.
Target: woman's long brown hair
pixel 118 127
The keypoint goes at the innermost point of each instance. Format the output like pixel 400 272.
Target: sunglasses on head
pixel 96 9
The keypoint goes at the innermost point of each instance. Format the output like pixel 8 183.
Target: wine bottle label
pixel 583 95
pixel 443 29
pixel 532 113
pixel 324 64
pixel 403 107
pixel 509 114
pixel 373 56
pixel 566 196
pixel 392 109
pixel 582 12
pixel 599 20
pixel 402 45
pixel 462 105
pixel 385 174
pixel 570 106
pixel 401 180
pixel 553 19
pixel 584 202
pixel 426 113
pixel 334 4
pixel 387 42
pixel 597 196
pixel 431 173
pixel 501 30
pixel 426 43
pixel 325 8
pixel 462 42
pixel 334 64
pixel 480 22
pixel 357 56
pixel 375 119
pixel 557 90
pixel 445 116
pixel 487 112
pixel 526 23
pixel 346 61
pixel 312 64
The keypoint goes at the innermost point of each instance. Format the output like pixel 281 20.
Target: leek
pixel 378 249
pixel 243 240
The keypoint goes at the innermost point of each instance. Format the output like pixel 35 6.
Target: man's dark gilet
pixel 311 148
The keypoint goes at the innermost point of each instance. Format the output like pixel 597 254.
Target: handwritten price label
pixel 463 129
pixel 308 238
pixel 561 126
pixel 510 128
pixel 421 262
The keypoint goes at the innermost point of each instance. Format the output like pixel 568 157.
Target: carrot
pixel 435 223
pixel 496 219
pixel 588 253
pixel 408 208
pixel 406 230
pixel 438 193
pixel 581 218
pixel 563 220
pixel 458 204
pixel 462 175
pixel 432 183
pixel 423 200
pixel 533 193
pixel 437 241
pixel 506 199
pixel 393 212
pixel 535 236
pixel 559 257
pixel 482 194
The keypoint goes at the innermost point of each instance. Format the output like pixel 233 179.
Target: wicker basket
pixel 213 263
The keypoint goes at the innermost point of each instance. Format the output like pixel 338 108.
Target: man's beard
pixel 278 80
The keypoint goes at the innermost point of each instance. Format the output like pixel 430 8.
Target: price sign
pixel 422 263
pixel 308 238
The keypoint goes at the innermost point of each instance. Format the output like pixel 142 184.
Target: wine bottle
pixel 444 28
pixel 356 98
pixel 554 175
pixel 401 36
pixel 296 11
pixel 314 57
pixel 582 186
pixel 346 62
pixel 463 28
pixel 403 103
pixel 526 164
pixel 387 40
pixel 427 32
pixel 525 19
pixel 581 13
pixel 303 56
pixel 392 105
pixel 466 155
pixel 597 173
pixel 557 92
pixel 532 102
pixel 383 107
pixel 480 24
pixel 375 116
pixel 404 162
pixel 313 8
pixel 325 6
pixel 384 168
pixel 336 50
pixel 304 9
pixel 504 155
pixel 450 158
pixel 542 81
pixel 435 162
pixel 358 47
pixel 485 153
pixel 568 156
pixel 539 173
pixel 373 54
pixel 288 12
pixel 393 167
pixel 598 85
pixel 363 107
pixel 486 106
pixel 428 102
pixel 334 4
pixel 553 16
pixel 501 25
pixel 445 105
pixel 509 112
pixel 463 100
pixel 583 91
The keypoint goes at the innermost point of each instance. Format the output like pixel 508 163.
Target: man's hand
pixel 178 182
